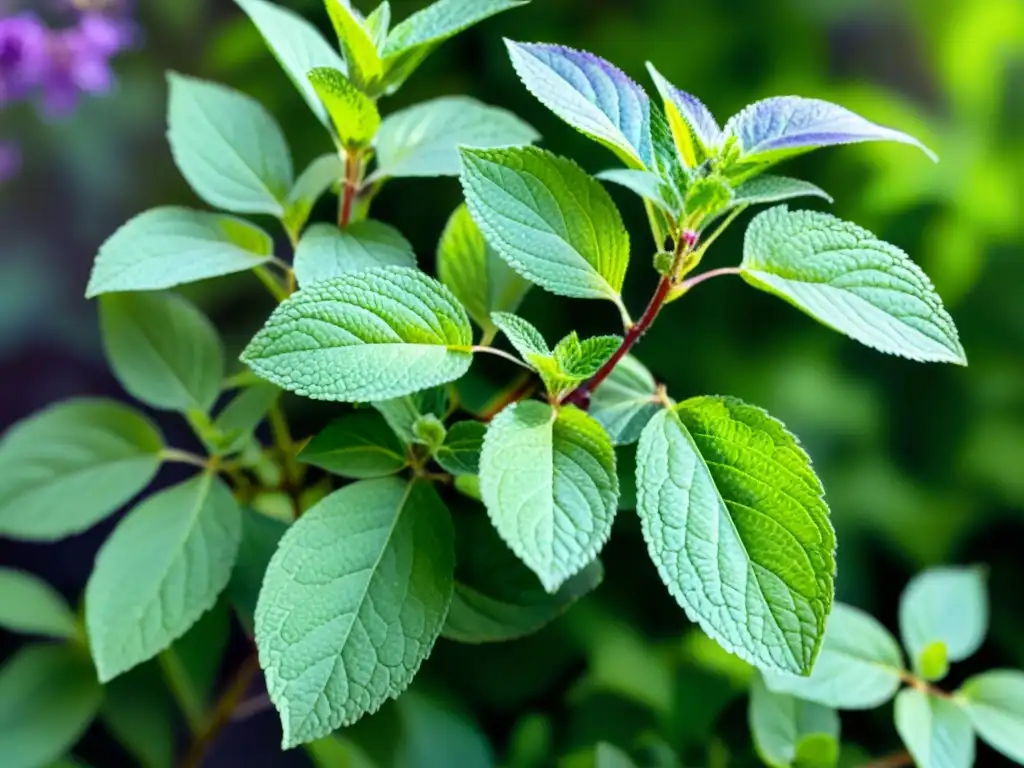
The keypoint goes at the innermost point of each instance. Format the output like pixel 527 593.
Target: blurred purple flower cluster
pixel 55 65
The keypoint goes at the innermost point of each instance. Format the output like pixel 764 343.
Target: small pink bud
pixel 690 238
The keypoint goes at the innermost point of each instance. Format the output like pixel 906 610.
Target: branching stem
pixel 501 354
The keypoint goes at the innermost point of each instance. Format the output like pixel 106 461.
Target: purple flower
pixel 23 55
pixel 75 66
pixel 10 160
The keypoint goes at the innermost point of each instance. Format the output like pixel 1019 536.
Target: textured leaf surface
pixel 228 147
pixel 735 522
pixel 694 128
pixel 648 186
pixel 995 704
pixel 945 605
pixel 548 219
pixel 31 606
pixel 496 597
pixel 48 697
pixel 592 95
pixel 847 279
pixel 353 602
pixel 163 350
pixel 474 272
pixel 326 251
pixel 411 41
pixel 424 140
pixel 297 45
pixel 68 467
pixel 365 67
pixel 936 731
pixel 161 569
pixel 373 335
pixel 625 401
pixel 781 724
pixel 521 334
pixel 165 247
pixel 775 189
pixel 548 481
pixel 260 538
pixel 783 126
pixel 460 452
pixel 859 666
pixel 319 176
pixel 354 114
pixel 358 445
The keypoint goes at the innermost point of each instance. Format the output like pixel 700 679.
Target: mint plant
pixel 349 553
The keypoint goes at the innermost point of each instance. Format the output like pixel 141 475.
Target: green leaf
pixel 648 186
pixel 496 597
pixel 582 359
pixel 847 279
pixel 695 131
pixel 775 189
pixel 319 176
pixel 936 731
pixel 994 702
pixel 139 714
pixel 602 755
pixel 373 335
pixel 260 537
pixel 326 251
pixel 31 606
pixel 590 94
pixel 548 481
pixel 161 569
pixel 228 147
pixel 163 350
pixel 411 41
pixel 365 66
pixel 355 116
pixel 297 45
pixel 335 751
pixel 48 697
pixel 165 247
pixel 947 606
pixel 782 724
pixel 430 432
pixel 402 413
pixel 339 631
pixel 358 445
pixel 548 219
pixel 424 140
pixel 626 401
pixel 436 734
pixel 736 523
pixel 521 334
pixel 460 452
pixel 238 421
pixel 68 467
pixel 859 667
pixel 378 23
pixel 474 272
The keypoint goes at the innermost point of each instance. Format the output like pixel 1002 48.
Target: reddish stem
pixel 352 162
pixel 686 285
pixel 897 760
pixel 521 389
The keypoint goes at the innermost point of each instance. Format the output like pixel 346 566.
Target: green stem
pixel 184 457
pixel 502 354
pixel 284 443
pixel 277 290
pixel 190 702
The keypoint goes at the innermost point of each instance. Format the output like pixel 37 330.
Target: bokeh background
pixel 922 464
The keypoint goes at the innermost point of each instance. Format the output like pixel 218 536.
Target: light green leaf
pixel 583 359
pixel 411 41
pixel 358 445
pixel 460 452
pixel 260 537
pixel 326 251
pixel 430 432
pixel 228 147
pixel 626 401
pixel 438 734
pixel 378 23
pixel 424 140
pixel 297 45
pixel 140 716
pixel 859 667
pixel 736 523
pixel 548 481
pixel 847 279
pixel 496 597
pixel 775 189
pixel 161 569
pixel 355 116
pixel 31 606
pixel 402 413
pixel 648 186
pixel 335 751
pixel 602 755
pixel 548 219
pixel 372 335
pixel 695 131
pixel 68 467
pixel 48 697
pixel 163 350
pixel 352 603
pixel 781 724
pixel 521 334
pixel 240 418
pixel 590 94
pixel 474 272
pixel 365 66
pixel 994 701
pixel 319 176
pixel 936 731
pixel 947 606
pixel 165 247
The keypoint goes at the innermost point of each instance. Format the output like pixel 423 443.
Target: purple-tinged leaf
pixel 590 94
pixel 780 127
pixel 694 128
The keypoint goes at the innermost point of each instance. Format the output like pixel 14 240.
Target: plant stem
pixel 184 457
pixel 502 354
pixel 521 388
pixel 284 443
pixel 696 280
pixel 276 289
pixel 353 163
pixel 896 760
pixel 222 712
